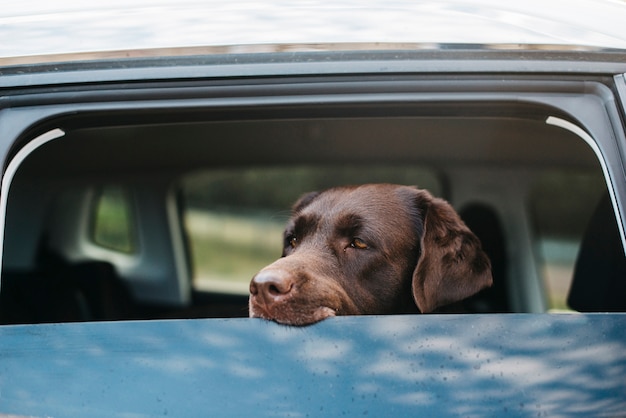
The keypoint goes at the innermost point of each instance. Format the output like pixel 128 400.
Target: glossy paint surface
pixel 468 365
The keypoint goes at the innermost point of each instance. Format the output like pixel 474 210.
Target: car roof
pixel 38 28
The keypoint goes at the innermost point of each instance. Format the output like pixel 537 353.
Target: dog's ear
pixel 452 265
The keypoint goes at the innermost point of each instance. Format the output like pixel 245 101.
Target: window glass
pixel 561 204
pixel 112 220
pixel 234 218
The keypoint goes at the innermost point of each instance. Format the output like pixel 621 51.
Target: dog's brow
pixel 349 224
pixel 305 224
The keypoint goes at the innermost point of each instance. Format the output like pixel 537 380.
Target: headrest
pixel 599 283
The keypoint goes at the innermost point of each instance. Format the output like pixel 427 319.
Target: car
pixel 146 179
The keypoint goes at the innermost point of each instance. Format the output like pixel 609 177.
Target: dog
pixel 369 249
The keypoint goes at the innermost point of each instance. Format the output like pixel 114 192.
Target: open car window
pixel 162 212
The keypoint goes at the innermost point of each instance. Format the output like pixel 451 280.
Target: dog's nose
pixel 271 285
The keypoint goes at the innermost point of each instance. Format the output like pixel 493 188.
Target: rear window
pixel 113 224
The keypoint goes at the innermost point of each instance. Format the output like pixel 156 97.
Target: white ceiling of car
pixel 37 27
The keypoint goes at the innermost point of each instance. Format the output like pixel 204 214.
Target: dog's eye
pixel 358 243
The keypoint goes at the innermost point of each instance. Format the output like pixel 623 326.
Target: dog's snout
pixel 271 284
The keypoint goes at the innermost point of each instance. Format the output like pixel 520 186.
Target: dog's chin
pixel 297 319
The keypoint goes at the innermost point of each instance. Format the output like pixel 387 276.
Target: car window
pixel 194 206
pixel 112 224
pixel 561 203
pixel 234 218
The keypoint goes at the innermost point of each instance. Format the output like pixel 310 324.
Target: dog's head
pixel 370 249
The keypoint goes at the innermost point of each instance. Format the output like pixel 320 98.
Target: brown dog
pixel 370 249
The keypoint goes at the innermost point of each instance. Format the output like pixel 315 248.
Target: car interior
pixel 168 213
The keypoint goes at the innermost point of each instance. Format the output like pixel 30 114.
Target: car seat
pixel 599 282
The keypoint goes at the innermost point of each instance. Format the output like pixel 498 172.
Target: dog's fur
pixel 370 249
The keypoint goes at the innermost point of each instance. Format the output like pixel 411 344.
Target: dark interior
pixel 482 141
